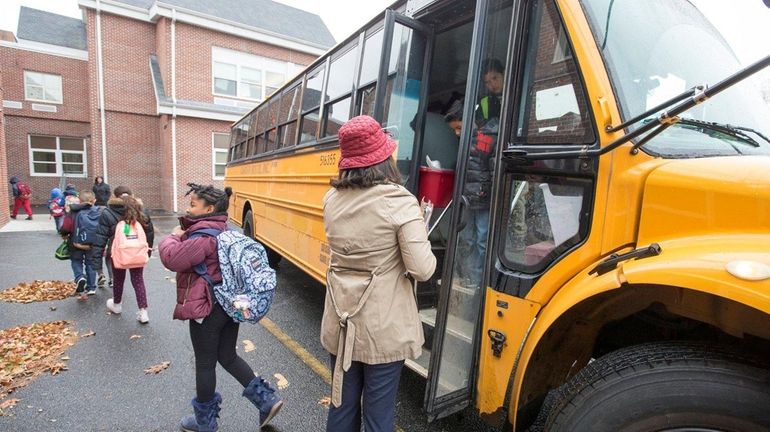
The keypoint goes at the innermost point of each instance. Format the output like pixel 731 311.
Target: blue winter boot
pixel 265 398
pixel 205 418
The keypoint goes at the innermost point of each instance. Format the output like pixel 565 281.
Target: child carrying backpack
pixel 124 222
pixel 56 207
pixel 82 235
pixel 214 333
pixel 22 194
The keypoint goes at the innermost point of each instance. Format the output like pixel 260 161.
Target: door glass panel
pixel 555 109
pixel 543 218
pixel 405 74
pixel 466 284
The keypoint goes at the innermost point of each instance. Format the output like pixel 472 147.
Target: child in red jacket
pixel 213 333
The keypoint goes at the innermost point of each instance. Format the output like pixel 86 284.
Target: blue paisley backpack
pixel 248 283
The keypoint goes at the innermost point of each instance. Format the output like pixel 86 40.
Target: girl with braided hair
pixel 123 207
pixel 213 333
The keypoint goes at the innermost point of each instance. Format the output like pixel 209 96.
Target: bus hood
pixel 721 195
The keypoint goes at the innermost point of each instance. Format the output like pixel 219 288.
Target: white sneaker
pixel 115 308
pixel 142 316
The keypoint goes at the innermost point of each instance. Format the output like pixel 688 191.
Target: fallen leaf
pixel 281 381
pixel 38 290
pixel 88 334
pixel 248 345
pixel 28 351
pixel 65 358
pixel 8 403
pixel 135 337
pixel 157 368
pixel 52 308
pixel 325 401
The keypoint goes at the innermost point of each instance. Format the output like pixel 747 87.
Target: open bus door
pixel 452 368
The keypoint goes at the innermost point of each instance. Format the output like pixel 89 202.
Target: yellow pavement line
pixel 313 363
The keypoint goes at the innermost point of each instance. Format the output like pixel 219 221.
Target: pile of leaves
pixel 38 290
pixel 28 351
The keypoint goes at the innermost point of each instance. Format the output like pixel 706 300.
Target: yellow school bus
pixel 611 269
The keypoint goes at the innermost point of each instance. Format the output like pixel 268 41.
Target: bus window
pixel 336 115
pixel 309 126
pixel 288 117
pixel 260 129
pixel 338 90
pixel 311 101
pixel 555 109
pixel 270 140
pixel 370 63
pixel 403 92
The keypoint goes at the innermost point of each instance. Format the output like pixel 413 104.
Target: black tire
pixel 273 258
pixel 671 386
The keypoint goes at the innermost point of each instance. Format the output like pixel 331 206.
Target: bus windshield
pixel 657 49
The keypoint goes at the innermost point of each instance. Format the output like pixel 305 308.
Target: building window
pixel 57 156
pixel 221 142
pixel 42 87
pixel 247 76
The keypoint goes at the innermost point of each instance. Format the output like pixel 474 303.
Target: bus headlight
pixel 748 270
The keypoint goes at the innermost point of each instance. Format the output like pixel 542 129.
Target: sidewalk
pixel 39 222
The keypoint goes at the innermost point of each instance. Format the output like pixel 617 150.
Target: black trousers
pixel 213 341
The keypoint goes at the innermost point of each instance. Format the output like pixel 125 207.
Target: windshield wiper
pixel 736 132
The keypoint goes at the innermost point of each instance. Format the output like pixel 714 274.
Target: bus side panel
pixel 285 195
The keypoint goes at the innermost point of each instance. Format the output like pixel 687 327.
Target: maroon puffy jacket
pixel 180 254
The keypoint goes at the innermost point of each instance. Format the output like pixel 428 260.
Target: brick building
pixel 143 92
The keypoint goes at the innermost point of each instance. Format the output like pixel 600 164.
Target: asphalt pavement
pixel 105 387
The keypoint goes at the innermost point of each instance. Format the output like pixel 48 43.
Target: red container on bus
pixel 436 185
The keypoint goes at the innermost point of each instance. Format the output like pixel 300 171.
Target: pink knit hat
pixel 363 143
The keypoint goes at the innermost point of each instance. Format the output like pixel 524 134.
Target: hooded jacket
pixel 194 298
pixel 481 165
pixel 14 186
pixel 102 192
pixel 107 222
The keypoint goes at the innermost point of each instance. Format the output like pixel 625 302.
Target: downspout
pixel 100 79
pixel 173 110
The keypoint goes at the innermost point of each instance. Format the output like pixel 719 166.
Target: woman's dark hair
pixel 122 190
pixel 219 198
pixel 96 179
pixel 132 211
pixel 366 177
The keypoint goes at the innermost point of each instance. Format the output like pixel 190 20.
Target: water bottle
pixel 241 304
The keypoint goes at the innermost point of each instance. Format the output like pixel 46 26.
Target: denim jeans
pixel 368 391
pixel 474 241
pixel 80 260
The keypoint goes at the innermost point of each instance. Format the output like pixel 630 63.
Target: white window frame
pixel 214 151
pixel 241 59
pixel 59 160
pixel 44 76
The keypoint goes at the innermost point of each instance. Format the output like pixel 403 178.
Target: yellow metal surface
pixel 706 197
pixel 285 196
pixel 512 316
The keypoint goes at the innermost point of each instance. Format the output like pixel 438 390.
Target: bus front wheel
pixel 273 258
pixel 665 387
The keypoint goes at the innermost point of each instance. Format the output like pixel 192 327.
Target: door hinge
pixel 498 341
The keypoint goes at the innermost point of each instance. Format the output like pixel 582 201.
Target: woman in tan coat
pixel 378 241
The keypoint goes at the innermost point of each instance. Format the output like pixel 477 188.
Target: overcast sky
pixel 745 23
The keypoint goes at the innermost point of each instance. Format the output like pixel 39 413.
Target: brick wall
pixel 5 191
pixel 133 155
pixel 194 58
pixel 73 72
pixel 17 131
